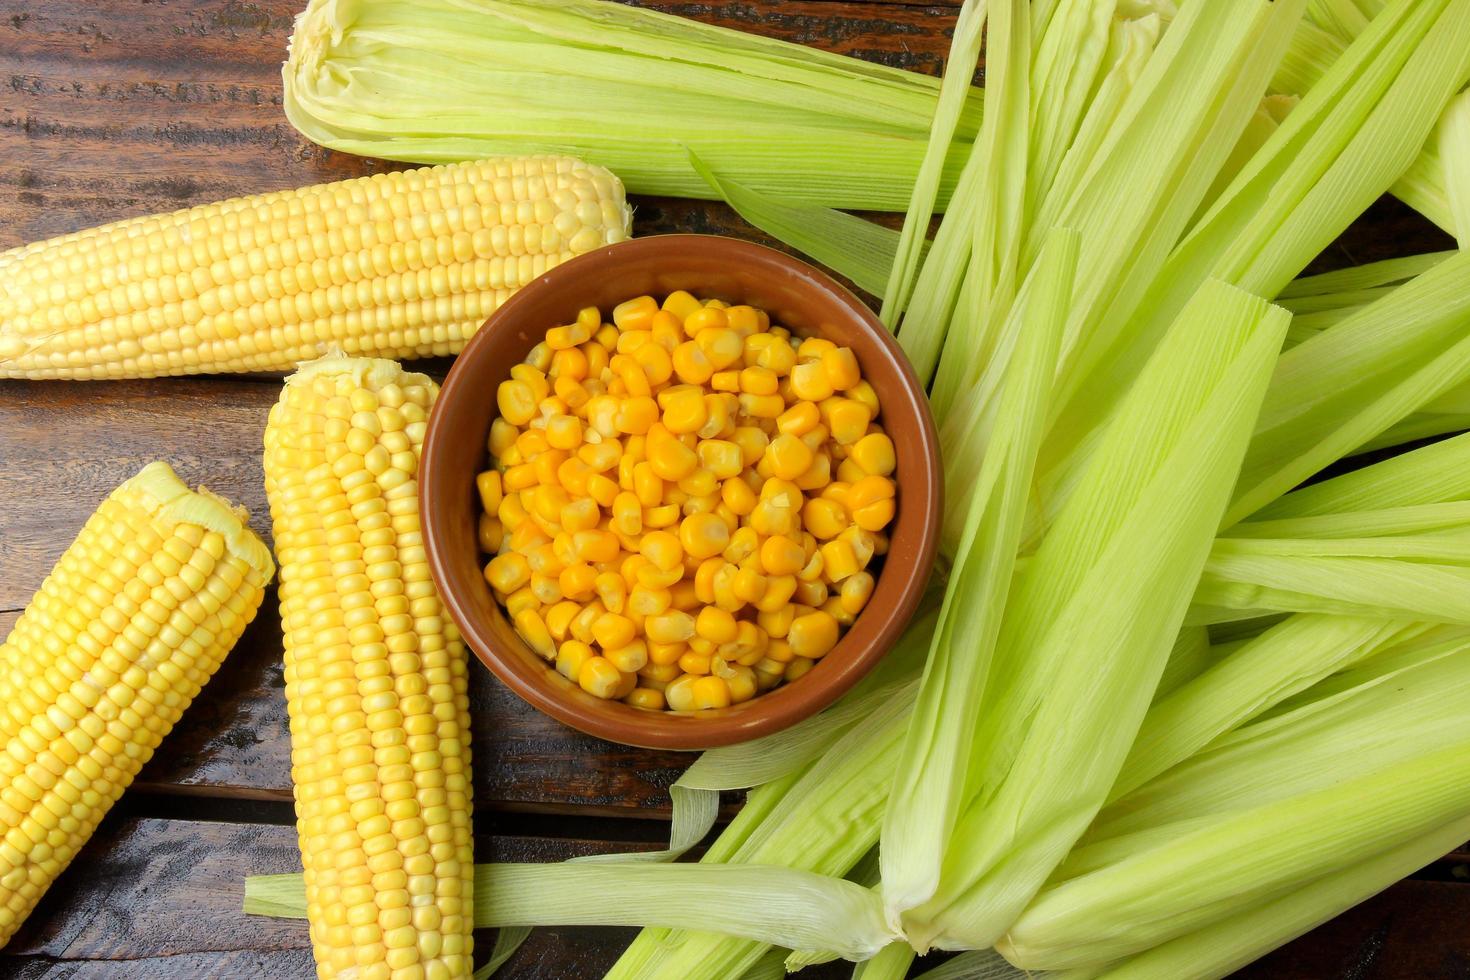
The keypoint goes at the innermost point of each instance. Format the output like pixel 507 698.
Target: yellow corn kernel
pixel 769 517
pixel 627 514
pixel 657 675
pixel 546 589
pixel 841 367
pixel 559 619
pixel 849 472
pixel 488 484
pixel 749 585
pixel 583 622
pixel 699 483
pixel 629 658
pixel 564 431
pixel 662 549
pixel 761 406
pixel 706 318
pixel 736 494
pixel 741 683
pixel 569 364
pixel 599 678
pixel 568 337
pixel 681 304
pixel 692 364
pixel 777 357
pixel 776 622
pixel 680 693
pixel 716 625
pixel 674 626
pixel 759 381
pixel 669 457
pixel 779 590
pixel 532 628
pixel 582 514
pixel 799 419
pixel 862 542
pixel 855 591
pixel 596 547
pixel 611 590
pixel 681 595
pixel 636 414
pixel 612 631
pixel 666 654
pixel 746 320
pixel 602 489
pixel 534 374
pixel 490 533
pixel 502 436
pixel 779 555
pixel 662 516
pixel 810 592
pixel 508 572
pixel 695 663
pixel 798 668
pixel 647 486
pixel 752 442
pixel 684 408
pixel 654 361
pixel 635 314
pixel 874 454
pixel 863 392
pixel 602 415
pixel 779 651
pixel 847 419
pixel 711 692
pixel 702 536
pixel 788 457
pixel 809 382
pixel 645 698
pixel 839 560
pixel 570 657
pixel 726 381
pixel 646 601
pixel 577 581
pixel 812 348
pixel 601 456
pixel 833 607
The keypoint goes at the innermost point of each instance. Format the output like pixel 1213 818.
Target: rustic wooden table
pixel 114 109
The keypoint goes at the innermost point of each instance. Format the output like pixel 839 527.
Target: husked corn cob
pixel 402 264
pixel 133 620
pixel 376 678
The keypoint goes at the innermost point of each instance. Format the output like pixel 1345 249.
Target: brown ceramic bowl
pixel 796 295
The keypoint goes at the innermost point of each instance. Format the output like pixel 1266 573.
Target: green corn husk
pixel 1420 576
pixel 1253 677
pixel 1191 656
pixel 1336 391
pixel 465 79
pixel 1340 148
pixel 1387 272
pixel 929 789
pixel 1076 662
pixel 959 70
pixel 1267 802
pixel 1218 950
pixel 1454 153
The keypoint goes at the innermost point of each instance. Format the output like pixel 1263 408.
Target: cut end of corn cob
pixel 376 677
pixel 136 616
pixel 404 264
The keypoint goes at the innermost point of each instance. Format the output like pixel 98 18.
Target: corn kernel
pixel 669 627
pixel 779 590
pixel 847 419
pixel 746 320
pixel 684 409
pixel 702 536
pixel 629 658
pixel 692 364
pixel 599 677
pixel 727 381
pixel 666 654
pixel 533 630
pixel 839 560
pixel 711 692
pixel 577 581
pixel 788 456
pixel 680 693
pixel 559 619
pixel 681 304
pixel 662 516
pixel 490 533
pixel 715 625
pixel 798 668
pixel 809 382
pixel 635 314
pixel 645 698
pixel 761 406
pixel 670 458
pixel 570 657
pixel 508 572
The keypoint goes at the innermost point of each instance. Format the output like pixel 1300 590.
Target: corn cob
pixel 133 620
pixel 376 678
pixel 404 264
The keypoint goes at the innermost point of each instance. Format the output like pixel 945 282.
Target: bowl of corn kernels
pixel 681 492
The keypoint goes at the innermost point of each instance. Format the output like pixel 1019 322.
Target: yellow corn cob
pixel 376 678
pixel 402 264
pixel 126 629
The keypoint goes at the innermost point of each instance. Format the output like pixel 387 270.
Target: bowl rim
pixel 772 710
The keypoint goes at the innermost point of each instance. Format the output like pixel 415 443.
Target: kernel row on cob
pixel 405 264
pixel 133 620
pixel 376 678
pixel 684 501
